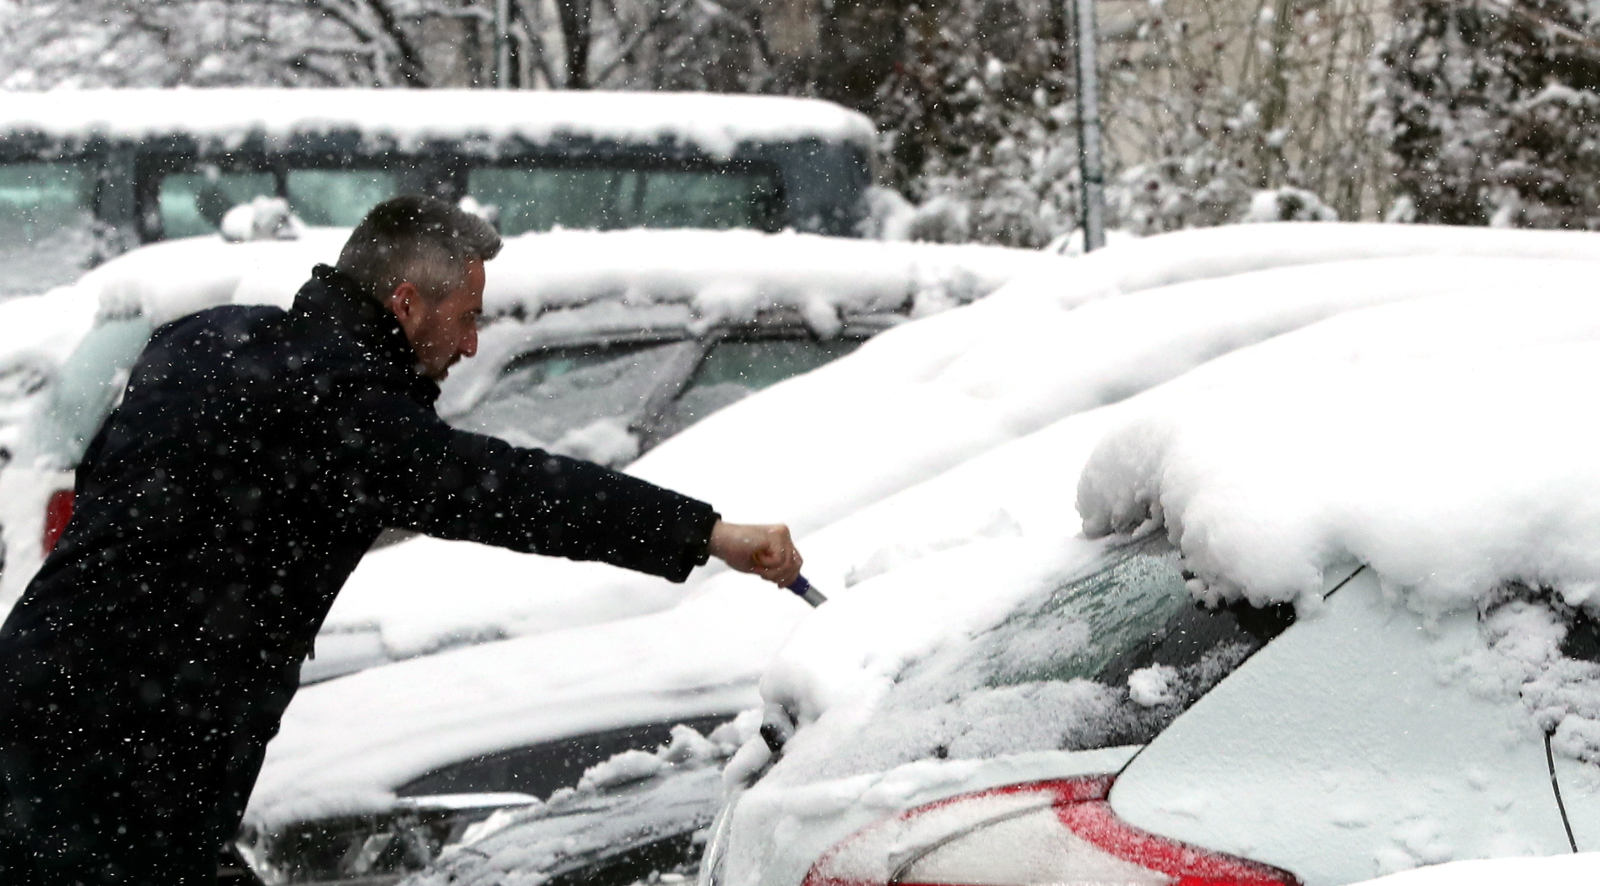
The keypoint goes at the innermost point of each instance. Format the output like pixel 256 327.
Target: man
pixel 255 457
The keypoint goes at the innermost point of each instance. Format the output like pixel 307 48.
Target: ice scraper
pixel 806 592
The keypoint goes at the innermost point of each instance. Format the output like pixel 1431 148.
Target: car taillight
pixel 1057 832
pixel 57 513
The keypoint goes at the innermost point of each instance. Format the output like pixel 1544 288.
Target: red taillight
pixel 1058 832
pixel 56 516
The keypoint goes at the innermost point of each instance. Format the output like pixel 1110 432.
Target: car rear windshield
pixel 581 400
pixel 1100 658
pixel 735 367
pixel 1132 629
pixel 543 198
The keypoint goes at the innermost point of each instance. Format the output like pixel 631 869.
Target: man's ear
pixel 406 304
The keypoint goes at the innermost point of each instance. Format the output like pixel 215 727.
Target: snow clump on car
pixel 1464 480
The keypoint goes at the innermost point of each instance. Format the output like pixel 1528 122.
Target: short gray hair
pixel 421 240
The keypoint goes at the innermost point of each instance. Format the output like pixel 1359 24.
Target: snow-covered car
pixel 85 173
pixel 1324 610
pixel 597 344
pixel 930 483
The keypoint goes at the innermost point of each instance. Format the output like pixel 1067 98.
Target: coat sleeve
pixel 424 475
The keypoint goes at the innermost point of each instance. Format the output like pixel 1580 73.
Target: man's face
pixel 444 332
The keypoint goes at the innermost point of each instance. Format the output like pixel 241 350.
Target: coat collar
pixel 335 295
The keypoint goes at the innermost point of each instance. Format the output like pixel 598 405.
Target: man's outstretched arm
pixel 452 484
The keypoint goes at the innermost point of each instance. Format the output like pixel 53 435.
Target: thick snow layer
pixel 718 274
pixel 1451 475
pixel 1581 869
pixel 716 124
pixel 733 274
pixel 910 404
pixel 347 744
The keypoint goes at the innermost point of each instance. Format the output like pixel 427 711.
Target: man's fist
pixel 766 551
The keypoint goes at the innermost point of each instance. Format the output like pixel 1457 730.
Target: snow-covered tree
pixel 1490 112
pixel 978 116
pixel 49 43
pixel 1211 102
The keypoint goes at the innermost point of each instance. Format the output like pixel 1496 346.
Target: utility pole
pixel 502 44
pixel 1091 163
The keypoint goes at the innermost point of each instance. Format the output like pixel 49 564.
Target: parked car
pixel 1377 650
pixel 597 344
pixel 85 174
pixel 929 484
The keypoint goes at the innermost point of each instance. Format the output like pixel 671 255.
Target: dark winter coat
pixel 255 457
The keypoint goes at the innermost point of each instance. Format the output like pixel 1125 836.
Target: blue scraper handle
pixel 806 592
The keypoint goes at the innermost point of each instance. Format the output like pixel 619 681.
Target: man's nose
pixel 469 345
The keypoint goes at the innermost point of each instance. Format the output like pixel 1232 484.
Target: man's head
pixel 423 259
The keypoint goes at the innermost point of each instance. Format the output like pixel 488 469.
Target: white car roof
pixel 716 124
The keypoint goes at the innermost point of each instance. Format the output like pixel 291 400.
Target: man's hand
pixel 766 551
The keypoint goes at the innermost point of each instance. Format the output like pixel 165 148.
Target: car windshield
pixel 543 198
pixel 1106 658
pixel 580 400
pixel 737 367
pixel 46 225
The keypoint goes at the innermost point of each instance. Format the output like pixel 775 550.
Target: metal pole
pixel 1091 165
pixel 502 44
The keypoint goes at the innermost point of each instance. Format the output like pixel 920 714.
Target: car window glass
pixel 736 368
pixel 193 203
pixel 46 225
pixel 540 199
pixel 337 197
pixel 1070 668
pixel 577 400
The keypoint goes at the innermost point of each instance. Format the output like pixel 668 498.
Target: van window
pixel 542 198
pixel 338 198
pixel 46 225
pixel 193 203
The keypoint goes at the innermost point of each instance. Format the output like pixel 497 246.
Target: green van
pixel 86 174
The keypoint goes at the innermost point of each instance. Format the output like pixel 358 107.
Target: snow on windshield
pixel 716 124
